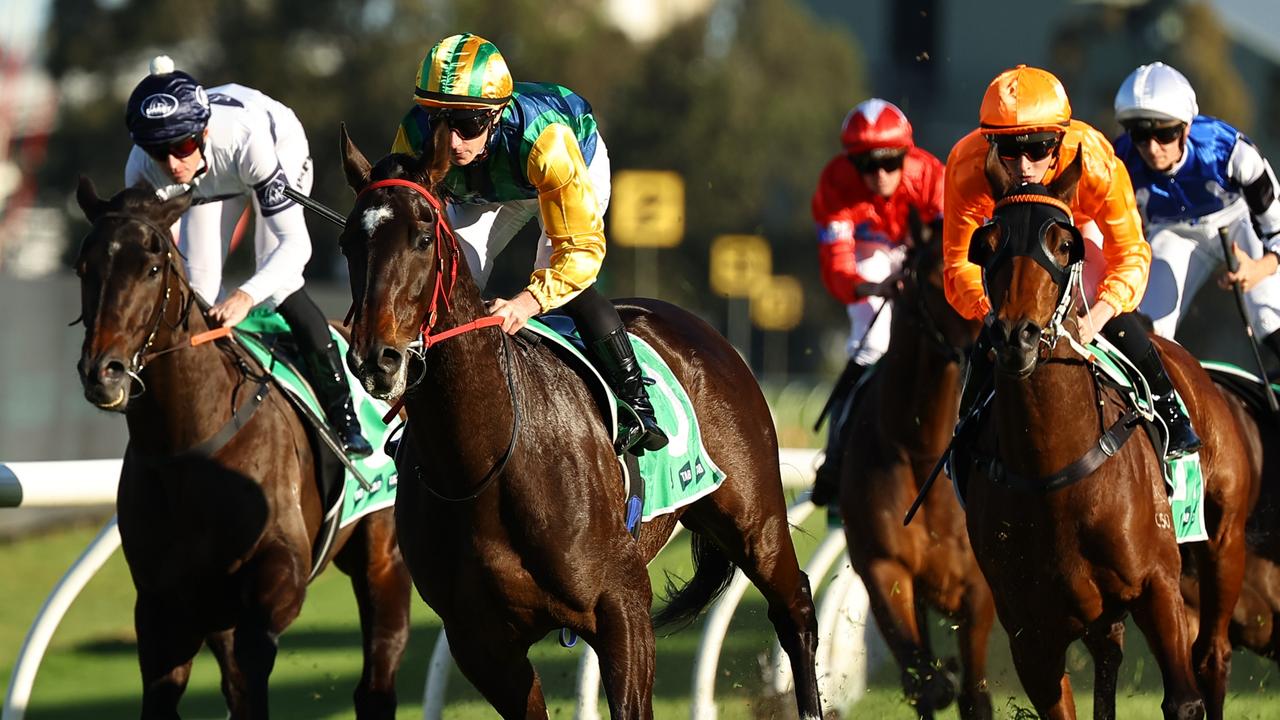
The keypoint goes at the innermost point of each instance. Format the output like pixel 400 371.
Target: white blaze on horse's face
pixel 373 217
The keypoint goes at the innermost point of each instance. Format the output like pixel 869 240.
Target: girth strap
pixel 1108 444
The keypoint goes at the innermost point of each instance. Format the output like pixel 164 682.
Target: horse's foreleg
pixel 497 664
pixel 277 588
pixel 382 585
pixel 1106 645
pixel 891 589
pixel 1041 663
pixel 166 646
pixel 623 638
pixel 1220 566
pixel 978 614
pixel 1159 614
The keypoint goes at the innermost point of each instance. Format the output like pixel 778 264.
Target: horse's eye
pixel 155 269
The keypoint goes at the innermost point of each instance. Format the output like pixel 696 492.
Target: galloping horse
pixel 1069 529
pixel 897 432
pixel 218 502
pixel 515 526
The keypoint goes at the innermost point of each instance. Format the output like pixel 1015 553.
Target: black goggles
pixel 869 163
pixel 469 124
pixel 178 148
pixel 1140 134
pixel 1010 148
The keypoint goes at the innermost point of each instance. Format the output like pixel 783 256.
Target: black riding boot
pixel 1272 342
pixel 826 479
pixel 1182 437
pixel 617 359
pixel 330 383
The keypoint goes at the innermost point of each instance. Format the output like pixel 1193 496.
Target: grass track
pixel 91 670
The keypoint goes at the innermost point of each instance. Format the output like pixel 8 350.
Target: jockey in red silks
pixel 864 197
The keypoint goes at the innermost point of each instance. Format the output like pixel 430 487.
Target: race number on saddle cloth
pixel 1183 475
pixel 266 335
pixel 674 476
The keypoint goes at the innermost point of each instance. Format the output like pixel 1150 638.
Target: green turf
pixel 91 672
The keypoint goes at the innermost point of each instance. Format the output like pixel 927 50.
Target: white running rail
pixel 842 611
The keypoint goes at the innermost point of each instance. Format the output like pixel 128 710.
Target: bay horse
pixel 218 503
pixel 514 525
pixel 899 428
pixel 1070 530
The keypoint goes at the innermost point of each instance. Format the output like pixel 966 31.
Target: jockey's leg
pixel 606 338
pixel 826 483
pixel 323 365
pixel 1126 333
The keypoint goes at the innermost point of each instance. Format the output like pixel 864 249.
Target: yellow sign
pixel 647 208
pixel 778 304
pixel 739 264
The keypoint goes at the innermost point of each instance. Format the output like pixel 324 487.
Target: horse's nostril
pixel 112 370
pixel 389 360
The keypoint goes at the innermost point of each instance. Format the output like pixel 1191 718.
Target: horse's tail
pixel 712 572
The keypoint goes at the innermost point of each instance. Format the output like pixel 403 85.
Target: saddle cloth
pixel 674 476
pixel 265 334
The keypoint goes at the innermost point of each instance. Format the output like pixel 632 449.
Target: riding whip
pixel 1233 264
pixel 316 206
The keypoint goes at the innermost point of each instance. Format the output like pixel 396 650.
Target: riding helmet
pixel 167 105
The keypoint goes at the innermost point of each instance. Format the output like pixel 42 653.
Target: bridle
pixel 418 348
pixel 927 321
pixel 144 354
pixel 1033 213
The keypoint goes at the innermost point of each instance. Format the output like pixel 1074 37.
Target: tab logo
pixel 159 105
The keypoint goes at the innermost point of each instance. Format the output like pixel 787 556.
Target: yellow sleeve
pixel 401 144
pixel 571 217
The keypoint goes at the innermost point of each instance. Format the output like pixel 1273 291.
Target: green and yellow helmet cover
pixel 463 71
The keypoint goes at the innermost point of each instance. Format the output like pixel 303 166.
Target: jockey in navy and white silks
pixel 1193 174
pixel 231 146
pixel 254 146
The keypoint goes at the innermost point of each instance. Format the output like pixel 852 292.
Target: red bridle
pixel 442 231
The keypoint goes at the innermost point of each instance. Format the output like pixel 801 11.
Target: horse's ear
pixel 916 226
pixel 1063 187
pixel 170 209
pixel 87 197
pixel 435 159
pixel 354 163
pixel 997 174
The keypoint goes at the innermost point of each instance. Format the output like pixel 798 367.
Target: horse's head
pixel 1031 254
pixel 127 275
pixel 922 293
pixel 402 258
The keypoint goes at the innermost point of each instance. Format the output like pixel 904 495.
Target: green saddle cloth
pixel 1184 475
pixel 681 472
pixel 378 470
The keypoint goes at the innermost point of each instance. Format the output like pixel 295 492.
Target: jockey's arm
pixel 834 223
pixel 966 205
pixel 571 217
pixel 1105 195
pixel 1253 174
pixel 261 171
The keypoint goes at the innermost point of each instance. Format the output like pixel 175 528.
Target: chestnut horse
pixel 899 428
pixel 531 536
pixel 1070 530
pixel 218 501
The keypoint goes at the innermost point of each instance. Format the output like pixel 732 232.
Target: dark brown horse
pixel 535 539
pixel 900 427
pixel 1070 531
pixel 218 518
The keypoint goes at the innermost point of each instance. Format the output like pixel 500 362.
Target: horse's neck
pixel 187 395
pixel 920 385
pixel 1049 417
pixel 464 391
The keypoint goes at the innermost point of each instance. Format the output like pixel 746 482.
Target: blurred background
pixel 738 104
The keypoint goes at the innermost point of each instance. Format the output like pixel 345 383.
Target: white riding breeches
pixel 484 230
pixel 1185 255
pixel 870 318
